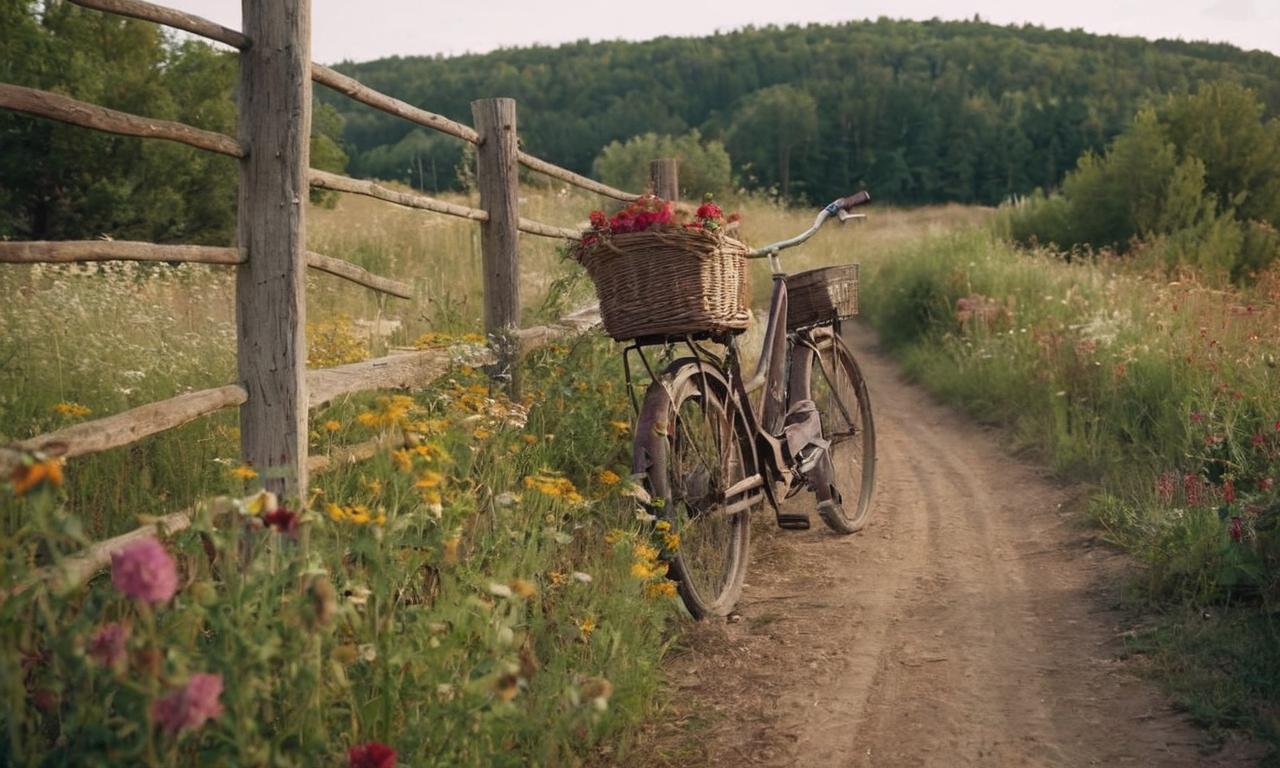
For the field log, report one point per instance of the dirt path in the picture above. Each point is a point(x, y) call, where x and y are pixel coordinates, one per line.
point(972, 623)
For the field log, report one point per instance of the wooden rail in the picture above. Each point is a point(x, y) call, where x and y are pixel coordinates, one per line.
point(76, 251)
point(169, 17)
point(354, 89)
point(125, 428)
point(68, 110)
point(81, 251)
point(339, 183)
point(564, 174)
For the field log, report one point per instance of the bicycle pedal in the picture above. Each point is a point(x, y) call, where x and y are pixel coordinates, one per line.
point(793, 522)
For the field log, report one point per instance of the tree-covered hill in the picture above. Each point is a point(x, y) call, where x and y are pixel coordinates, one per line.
point(918, 111)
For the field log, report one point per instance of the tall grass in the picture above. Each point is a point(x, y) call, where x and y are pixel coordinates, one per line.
point(1162, 393)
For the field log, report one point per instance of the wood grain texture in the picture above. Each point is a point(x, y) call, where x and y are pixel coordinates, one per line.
point(275, 123)
point(664, 176)
point(170, 18)
point(354, 89)
point(338, 183)
point(358, 275)
point(497, 176)
point(65, 109)
point(125, 428)
point(76, 251)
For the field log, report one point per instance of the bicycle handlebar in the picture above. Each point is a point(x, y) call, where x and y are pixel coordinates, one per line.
point(839, 207)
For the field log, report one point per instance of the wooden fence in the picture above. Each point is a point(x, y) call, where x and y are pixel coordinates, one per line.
point(275, 390)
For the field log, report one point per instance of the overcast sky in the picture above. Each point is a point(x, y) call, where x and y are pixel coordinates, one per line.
point(359, 30)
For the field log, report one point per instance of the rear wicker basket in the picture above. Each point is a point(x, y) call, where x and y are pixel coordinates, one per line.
point(822, 295)
point(670, 283)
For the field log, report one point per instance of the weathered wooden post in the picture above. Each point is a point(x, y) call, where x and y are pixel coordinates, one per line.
point(275, 129)
point(498, 178)
point(664, 174)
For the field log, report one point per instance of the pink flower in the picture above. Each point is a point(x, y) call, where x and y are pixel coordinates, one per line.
point(188, 707)
point(144, 571)
point(1237, 529)
point(1228, 490)
point(1191, 489)
point(1164, 487)
point(371, 755)
point(1258, 440)
point(108, 644)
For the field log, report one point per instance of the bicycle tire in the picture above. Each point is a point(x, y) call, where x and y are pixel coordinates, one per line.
point(819, 374)
point(690, 445)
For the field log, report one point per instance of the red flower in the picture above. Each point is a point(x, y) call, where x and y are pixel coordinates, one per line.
point(1258, 439)
point(283, 520)
point(1228, 490)
point(599, 220)
point(1164, 487)
point(1237, 529)
point(371, 755)
point(1191, 489)
point(709, 211)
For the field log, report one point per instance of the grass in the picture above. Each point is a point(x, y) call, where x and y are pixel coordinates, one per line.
point(469, 596)
point(1161, 393)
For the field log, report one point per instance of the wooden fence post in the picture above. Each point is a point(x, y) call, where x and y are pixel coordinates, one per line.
point(665, 176)
point(275, 129)
point(497, 175)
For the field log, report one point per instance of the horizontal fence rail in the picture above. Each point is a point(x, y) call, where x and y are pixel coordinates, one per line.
point(169, 17)
point(339, 183)
point(362, 93)
point(125, 428)
point(68, 110)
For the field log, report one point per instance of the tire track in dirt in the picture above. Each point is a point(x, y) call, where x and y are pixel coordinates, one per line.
point(971, 623)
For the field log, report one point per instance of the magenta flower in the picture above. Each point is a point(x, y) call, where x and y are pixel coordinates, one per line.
point(188, 707)
point(144, 571)
point(371, 755)
point(1237, 529)
point(108, 644)
point(284, 520)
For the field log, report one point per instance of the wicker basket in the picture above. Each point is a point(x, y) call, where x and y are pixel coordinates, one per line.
point(654, 284)
point(822, 295)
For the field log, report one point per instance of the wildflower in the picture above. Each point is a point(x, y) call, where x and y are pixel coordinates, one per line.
point(620, 427)
point(190, 706)
point(71, 410)
point(1228, 490)
point(367, 418)
point(586, 627)
point(28, 476)
point(1191, 489)
point(671, 541)
point(613, 536)
point(284, 520)
point(332, 426)
point(482, 434)
point(108, 645)
point(374, 486)
point(1237, 528)
point(335, 512)
point(244, 472)
point(450, 549)
point(609, 477)
point(1196, 417)
point(145, 571)
point(1164, 487)
point(434, 502)
point(261, 503)
point(529, 439)
point(523, 588)
point(429, 479)
point(662, 526)
point(402, 459)
point(644, 552)
point(660, 589)
point(642, 570)
point(557, 578)
point(1258, 440)
point(372, 755)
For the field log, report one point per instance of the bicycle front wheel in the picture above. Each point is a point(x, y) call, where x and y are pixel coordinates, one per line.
point(829, 375)
point(691, 445)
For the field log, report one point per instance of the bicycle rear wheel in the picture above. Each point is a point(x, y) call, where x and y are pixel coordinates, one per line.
point(829, 375)
point(691, 445)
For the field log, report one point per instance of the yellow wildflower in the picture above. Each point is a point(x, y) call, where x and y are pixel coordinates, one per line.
point(429, 479)
point(644, 552)
point(586, 627)
point(621, 427)
point(609, 477)
point(482, 434)
point(335, 512)
point(529, 439)
point(671, 541)
point(402, 459)
point(557, 578)
point(662, 526)
point(659, 589)
point(243, 472)
point(642, 570)
point(613, 536)
point(367, 418)
point(27, 476)
point(332, 426)
point(72, 410)
point(359, 514)
point(374, 486)
point(523, 588)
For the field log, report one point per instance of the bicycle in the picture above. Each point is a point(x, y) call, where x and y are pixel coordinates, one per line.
point(708, 456)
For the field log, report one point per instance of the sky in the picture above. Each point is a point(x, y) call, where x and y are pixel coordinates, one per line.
point(369, 29)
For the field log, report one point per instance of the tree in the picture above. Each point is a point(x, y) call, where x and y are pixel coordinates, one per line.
point(704, 165)
point(769, 125)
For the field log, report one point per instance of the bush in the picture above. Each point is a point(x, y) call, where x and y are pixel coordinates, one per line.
point(704, 165)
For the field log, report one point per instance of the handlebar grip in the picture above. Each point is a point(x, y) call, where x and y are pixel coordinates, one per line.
point(854, 200)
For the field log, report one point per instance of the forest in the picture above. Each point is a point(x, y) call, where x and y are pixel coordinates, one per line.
point(917, 111)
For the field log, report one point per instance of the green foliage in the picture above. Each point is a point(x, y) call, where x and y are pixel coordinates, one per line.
point(62, 182)
point(768, 127)
point(704, 165)
point(1197, 174)
point(916, 111)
